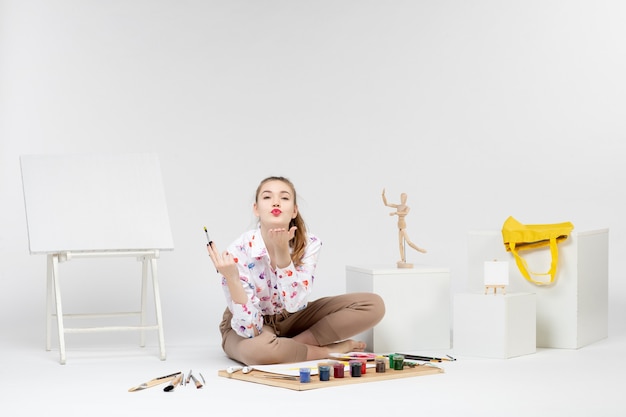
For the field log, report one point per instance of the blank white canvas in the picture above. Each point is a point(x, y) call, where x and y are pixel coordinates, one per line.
point(496, 273)
point(95, 202)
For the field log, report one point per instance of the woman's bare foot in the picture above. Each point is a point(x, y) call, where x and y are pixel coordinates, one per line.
point(323, 352)
point(347, 346)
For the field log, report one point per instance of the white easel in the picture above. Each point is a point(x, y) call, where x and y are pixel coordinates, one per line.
point(96, 206)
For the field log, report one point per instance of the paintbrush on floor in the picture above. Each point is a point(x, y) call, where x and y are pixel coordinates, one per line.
point(195, 381)
point(174, 383)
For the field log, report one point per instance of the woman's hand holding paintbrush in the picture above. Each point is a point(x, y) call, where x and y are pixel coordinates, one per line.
point(225, 264)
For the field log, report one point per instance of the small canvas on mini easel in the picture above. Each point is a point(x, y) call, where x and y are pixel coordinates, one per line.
point(496, 275)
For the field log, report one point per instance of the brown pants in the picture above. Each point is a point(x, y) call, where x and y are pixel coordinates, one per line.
point(330, 319)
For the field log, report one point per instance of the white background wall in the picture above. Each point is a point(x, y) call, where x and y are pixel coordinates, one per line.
point(476, 109)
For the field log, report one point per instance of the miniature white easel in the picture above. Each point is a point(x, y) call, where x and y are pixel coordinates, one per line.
point(496, 275)
point(96, 206)
point(403, 238)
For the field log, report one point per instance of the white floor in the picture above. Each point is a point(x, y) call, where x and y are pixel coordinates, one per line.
point(98, 373)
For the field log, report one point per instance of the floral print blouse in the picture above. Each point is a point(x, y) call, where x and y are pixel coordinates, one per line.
point(269, 291)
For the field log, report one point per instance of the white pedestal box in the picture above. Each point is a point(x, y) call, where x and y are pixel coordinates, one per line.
point(494, 326)
point(417, 307)
point(572, 312)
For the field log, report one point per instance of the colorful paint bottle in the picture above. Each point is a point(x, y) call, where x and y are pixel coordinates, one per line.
point(363, 366)
point(338, 370)
point(398, 362)
point(305, 375)
point(380, 365)
point(324, 372)
point(355, 368)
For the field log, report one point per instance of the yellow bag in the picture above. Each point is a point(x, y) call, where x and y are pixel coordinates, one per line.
point(518, 237)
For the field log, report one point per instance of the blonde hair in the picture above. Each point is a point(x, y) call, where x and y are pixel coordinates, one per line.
point(299, 241)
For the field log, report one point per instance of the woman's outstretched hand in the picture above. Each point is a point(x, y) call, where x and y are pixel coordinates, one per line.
point(277, 244)
point(279, 238)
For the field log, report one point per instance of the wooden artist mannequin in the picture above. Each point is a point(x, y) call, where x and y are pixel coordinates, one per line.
point(403, 238)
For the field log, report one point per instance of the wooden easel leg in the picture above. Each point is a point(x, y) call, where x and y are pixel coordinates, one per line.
point(495, 289)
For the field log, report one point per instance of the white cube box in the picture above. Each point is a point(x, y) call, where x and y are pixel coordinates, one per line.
point(494, 326)
point(572, 312)
point(417, 307)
